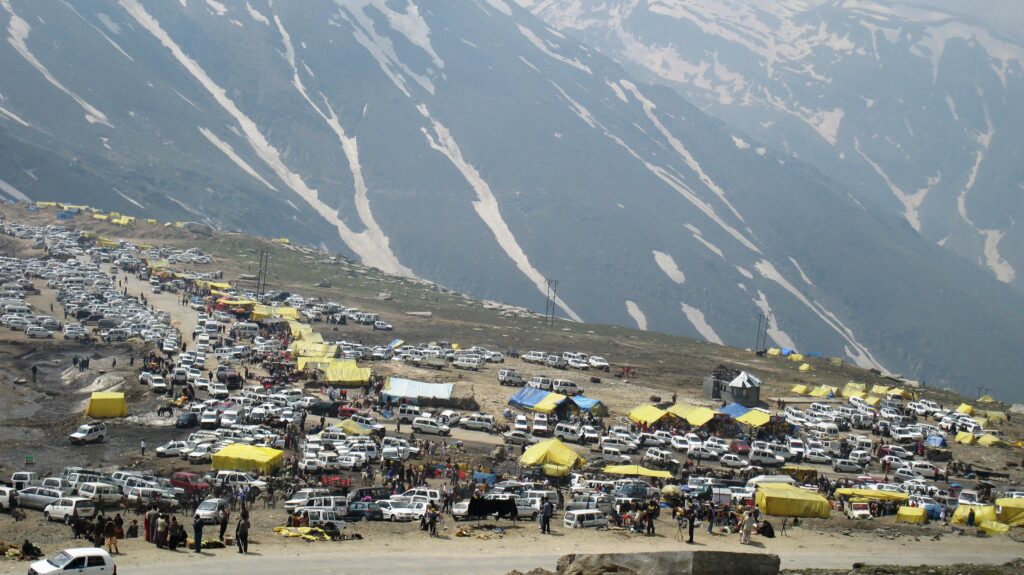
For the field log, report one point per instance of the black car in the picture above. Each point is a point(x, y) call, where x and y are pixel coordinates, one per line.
point(363, 511)
point(325, 408)
point(186, 420)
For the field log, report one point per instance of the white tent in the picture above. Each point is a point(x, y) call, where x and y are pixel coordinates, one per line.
point(410, 389)
point(745, 380)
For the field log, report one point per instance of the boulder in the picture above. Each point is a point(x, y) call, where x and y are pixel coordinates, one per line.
point(674, 562)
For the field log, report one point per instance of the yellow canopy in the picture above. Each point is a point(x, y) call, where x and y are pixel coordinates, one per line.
point(696, 416)
point(901, 392)
point(550, 402)
point(799, 389)
point(345, 373)
point(964, 408)
point(853, 388)
point(994, 527)
point(981, 513)
point(242, 457)
point(965, 437)
point(754, 418)
point(872, 494)
point(824, 391)
point(312, 348)
point(995, 416)
point(636, 470)
point(647, 414)
point(986, 399)
point(354, 428)
point(805, 367)
point(989, 440)
point(872, 400)
point(796, 357)
point(260, 311)
point(299, 330)
point(879, 389)
point(784, 500)
point(912, 514)
point(1010, 511)
point(774, 352)
point(557, 458)
point(106, 404)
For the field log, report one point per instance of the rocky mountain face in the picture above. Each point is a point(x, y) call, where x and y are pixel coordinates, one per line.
point(912, 108)
point(469, 143)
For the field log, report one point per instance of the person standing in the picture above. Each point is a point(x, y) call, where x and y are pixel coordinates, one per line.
point(110, 538)
point(224, 517)
point(691, 524)
point(242, 533)
point(35, 369)
point(197, 532)
point(711, 519)
point(746, 528)
point(142, 447)
point(173, 534)
point(546, 511)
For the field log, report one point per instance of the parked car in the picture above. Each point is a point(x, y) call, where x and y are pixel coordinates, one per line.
point(95, 432)
point(80, 561)
point(38, 497)
point(65, 508)
point(363, 511)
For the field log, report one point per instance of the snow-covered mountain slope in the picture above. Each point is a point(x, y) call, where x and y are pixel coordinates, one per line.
point(913, 108)
point(469, 143)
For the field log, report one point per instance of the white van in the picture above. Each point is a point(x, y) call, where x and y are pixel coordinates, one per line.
point(246, 330)
point(430, 426)
point(102, 494)
point(407, 413)
point(479, 422)
point(568, 432)
point(565, 387)
point(584, 518)
point(827, 429)
point(319, 517)
point(540, 382)
point(471, 362)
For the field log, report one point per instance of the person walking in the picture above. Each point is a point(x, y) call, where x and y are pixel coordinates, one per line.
point(691, 524)
point(711, 519)
point(197, 532)
point(242, 533)
point(746, 528)
point(34, 371)
point(546, 511)
point(110, 538)
point(142, 447)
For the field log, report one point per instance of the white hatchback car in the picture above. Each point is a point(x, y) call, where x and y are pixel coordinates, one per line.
point(82, 561)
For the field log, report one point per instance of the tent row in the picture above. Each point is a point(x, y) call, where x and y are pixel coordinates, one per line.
point(548, 402)
point(699, 416)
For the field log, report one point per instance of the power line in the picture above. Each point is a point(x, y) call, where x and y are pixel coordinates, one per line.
point(550, 306)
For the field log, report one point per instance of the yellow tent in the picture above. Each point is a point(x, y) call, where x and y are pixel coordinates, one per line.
point(872, 494)
point(784, 500)
point(550, 402)
point(981, 513)
point(1010, 511)
point(853, 388)
point(796, 357)
point(299, 329)
point(754, 418)
point(965, 437)
point(823, 391)
point(800, 389)
point(989, 440)
point(646, 414)
point(912, 514)
point(345, 373)
point(879, 389)
point(964, 408)
point(354, 428)
point(982, 421)
point(557, 458)
point(901, 392)
point(264, 311)
point(805, 367)
point(242, 457)
point(872, 400)
point(313, 361)
point(106, 404)
point(774, 352)
point(995, 415)
point(696, 416)
point(994, 527)
point(636, 470)
point(986, 399)
point(836, 361)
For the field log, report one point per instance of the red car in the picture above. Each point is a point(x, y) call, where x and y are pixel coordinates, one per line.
point(739, 447)
point(188, 481)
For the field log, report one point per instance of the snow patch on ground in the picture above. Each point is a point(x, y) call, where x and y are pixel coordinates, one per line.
point(803, 276)
point(18, 30)
point(256, 14)
point(5, 113)
point(13, 192)
point(539, 44)
point(501, 6)
point(228, 151)
point(699, 322)
point(618, 90)
point(577, 108)
point(911, 202)
point(486, 205)
point(740, 143)
point(530, 64)
point(745, 272)
point(999, 266)
point(129, 198)
point(110, 24)
point(217, 7)
point(637, 314)
point(668, 265)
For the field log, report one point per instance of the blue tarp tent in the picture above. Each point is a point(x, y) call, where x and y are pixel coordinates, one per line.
point(734, 410)
point(936, 441)
point(787, 352)
point(488, 478)
point(588, 404)
point(527, 397)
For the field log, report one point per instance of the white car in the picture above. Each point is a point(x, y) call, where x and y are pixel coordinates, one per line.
point(598, 362)
point(733, 460)
point(396, 511)
point(818, 456)
point(89, 433)
point(34, 331)
point(81, 561)
point(430, 426)
point(201, 454)
point(172, 448)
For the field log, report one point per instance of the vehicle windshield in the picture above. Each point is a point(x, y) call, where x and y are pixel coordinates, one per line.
point(59, 560)
point(207, 506)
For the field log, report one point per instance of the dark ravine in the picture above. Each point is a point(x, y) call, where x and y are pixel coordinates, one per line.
point(468, 143)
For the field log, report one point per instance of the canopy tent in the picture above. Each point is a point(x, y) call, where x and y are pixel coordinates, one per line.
point(299, 330)
point(754, 418)
point(994, 528)
point(879, 389)
point(965, 437)
point(734, 410)
point(1010, 511)
point(774, 352)
point(995, 416)
point(796, 357)
point(785, 500)
point(872, 400)
point(399, 388)
point(636, 470)
point(907, 514)
point(313, 362)
point(557, 458)
point(594, 406)
point(550, 403)
point(965, 408)
point(904, 393)
point(989, 440)
point(646, 414)
point(696, 416)
point(805, 367)
point(800, 389)
point(264, 311)
point(986, 399)
point(981, 513)
point(527, 397)
point(852, 388)
point(242, 457)
point(351, 427)
point(936, 441)
point(344, 373)
point(106, 404)
point(872, 494)
point(824, 391)
point(308, 346)
point(745, 381)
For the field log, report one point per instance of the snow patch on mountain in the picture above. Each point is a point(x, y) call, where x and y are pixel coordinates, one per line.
point(780, 337)
point(700, 323)
point(18, 31)
point(668, 265)
point(541, 45)
point(217, 7)
point(637, 314)
point(5, 113)
point(226, 149)
point(107, 22)
point(256, 14)
point(130, 199)
point(12, 192)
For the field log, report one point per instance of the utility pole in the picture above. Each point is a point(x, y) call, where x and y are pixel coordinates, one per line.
point(761, 345)
point(261, 276)
point(550, 307)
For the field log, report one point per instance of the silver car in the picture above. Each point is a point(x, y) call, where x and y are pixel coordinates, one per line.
point(38, 497)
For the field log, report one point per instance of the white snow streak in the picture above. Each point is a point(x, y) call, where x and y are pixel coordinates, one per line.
point(228, 151)
point(129, 198)
point(696, 317)
point(999, 266)
point(256, 14)
point(530, 64)
point(740, 143)
point(637, 314)
point(373, 239)
point(856, 351)
point(745, 272)
point(18, 30)
point(501, 6)
point(5, 113)
point(668, 265)
point(618, 90)
point(12, 191)
point(486, 205)
point(108, 22)
point(803, 276)
point(780, 337)
point(539, 44)
point(263, 148)
point(911, 202)
point(217, 7)
point(700, 238)
point(577, 108)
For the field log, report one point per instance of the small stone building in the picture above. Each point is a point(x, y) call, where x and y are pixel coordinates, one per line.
point(733, 386)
